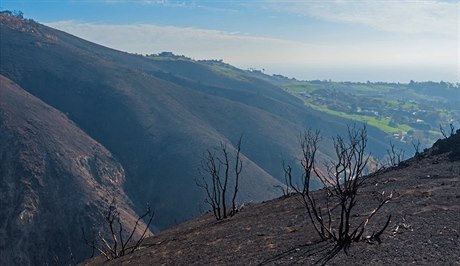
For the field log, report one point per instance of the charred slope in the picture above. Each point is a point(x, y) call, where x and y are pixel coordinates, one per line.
point(54, 181)
point(423, 230)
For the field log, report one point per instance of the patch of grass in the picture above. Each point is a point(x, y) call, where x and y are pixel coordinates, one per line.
point(226, 72)
point(369, 88)
point(167, 59)
point(300, 88)
point(159, 58)
point(382, 124)
point(435, 134)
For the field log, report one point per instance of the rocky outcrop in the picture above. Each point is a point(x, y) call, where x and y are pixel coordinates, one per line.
point(54, 181)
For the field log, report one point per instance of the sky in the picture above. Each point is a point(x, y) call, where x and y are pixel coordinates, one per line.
point(354, 40)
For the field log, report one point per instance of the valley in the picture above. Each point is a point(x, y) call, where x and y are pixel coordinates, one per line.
point(410, 112)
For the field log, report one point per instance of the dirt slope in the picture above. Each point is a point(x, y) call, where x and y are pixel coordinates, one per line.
point(424, 229)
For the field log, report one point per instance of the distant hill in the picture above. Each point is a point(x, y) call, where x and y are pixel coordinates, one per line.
point(157, 115)
point(423, 230)
point(54, 181)
point(411, 112)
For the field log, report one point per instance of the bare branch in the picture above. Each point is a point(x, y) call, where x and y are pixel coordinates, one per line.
point(238, 168)
point(394, 157)
point(117, 246)
point(342, 180)
point(216, 171)
point(416, 145)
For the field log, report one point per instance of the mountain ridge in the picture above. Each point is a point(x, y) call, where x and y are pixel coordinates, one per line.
point(55, 181)
point(115, 111)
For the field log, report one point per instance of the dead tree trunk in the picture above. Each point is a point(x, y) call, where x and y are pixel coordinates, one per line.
point(238, 168)
point(395, 157)
point(216, 175)
point(121, 240)
point(331, 216)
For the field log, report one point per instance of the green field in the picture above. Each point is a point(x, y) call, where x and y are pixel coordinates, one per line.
point(382, 124)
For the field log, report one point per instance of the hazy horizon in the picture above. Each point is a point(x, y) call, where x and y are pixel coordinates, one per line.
point(391, 41)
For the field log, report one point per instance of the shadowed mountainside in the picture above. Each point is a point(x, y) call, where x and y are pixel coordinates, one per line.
point(156, 129)
point(158, 116)
point(424, 228)
point(54, 181)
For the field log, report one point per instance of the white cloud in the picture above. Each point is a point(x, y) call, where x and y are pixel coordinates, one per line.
point(277, 55)
point(193, 42)
point(405, 16)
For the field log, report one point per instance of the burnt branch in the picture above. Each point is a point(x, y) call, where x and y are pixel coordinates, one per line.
point(330, 210)
point(218, 169)
point(395, 157)
point(416, 145)
point(451, 128)
point(116, 246)
point(238, 168)
point(286, 188)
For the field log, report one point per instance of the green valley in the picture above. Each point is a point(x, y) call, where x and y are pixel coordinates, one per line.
point(413, 111)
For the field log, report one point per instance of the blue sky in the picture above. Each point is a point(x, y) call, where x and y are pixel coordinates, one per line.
point(355, 40)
